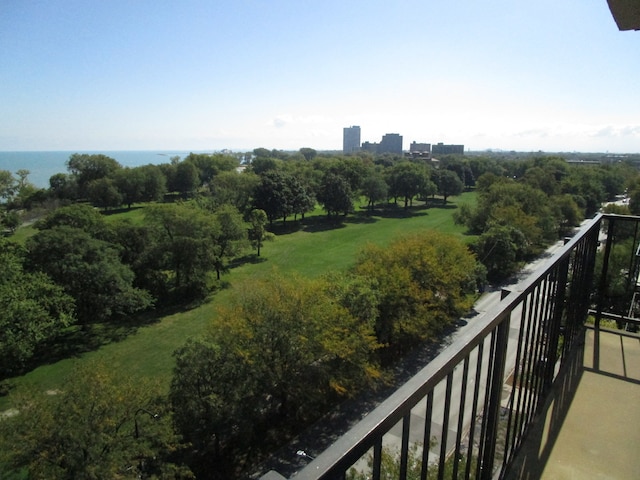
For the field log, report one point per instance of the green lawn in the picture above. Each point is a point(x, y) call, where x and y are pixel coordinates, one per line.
point(310, 249)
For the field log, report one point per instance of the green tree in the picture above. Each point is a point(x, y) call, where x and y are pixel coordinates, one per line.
point(10, 219)
point(375, 189)
point(233, 188)
point(406, 180)
point(209, 166)
point(63, 186)
point(182, 247)
point(449, 184)
point(257, 232)
point(273, 196)
point(8, 185)
point(501, 249)
point(104, 193)
point(277, 355)
point(186, 180)
point(99, 426)
point(335, 195)
point(308, 153)
point(33, 310)
point(424, 282)
point(229, 237)
point(90, 270)
point(81, 216)
point(86, 168)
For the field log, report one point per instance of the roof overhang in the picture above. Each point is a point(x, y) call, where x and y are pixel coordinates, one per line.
point(626, 13)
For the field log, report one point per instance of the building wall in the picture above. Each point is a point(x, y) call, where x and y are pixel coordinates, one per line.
point(420, 147)
point(391, 143)
point(442, 149)
point(351, 139)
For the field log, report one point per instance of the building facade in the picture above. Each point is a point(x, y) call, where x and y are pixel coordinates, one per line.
point(442, 149)
point(391, 143)
point(351, 139)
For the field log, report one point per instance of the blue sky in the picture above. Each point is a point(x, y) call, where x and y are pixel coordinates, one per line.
point(206, 75)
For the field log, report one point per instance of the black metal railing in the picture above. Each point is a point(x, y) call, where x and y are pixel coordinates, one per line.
point(467, 412)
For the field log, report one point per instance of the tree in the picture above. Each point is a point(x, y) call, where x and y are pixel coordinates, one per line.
point(130, 183)
point(182, 250)
point(424, 282)
point(87, 168)
point(335, 195)
point(449, 184)
point(63, 186)
point(33, 310)
point(7, 185)
point(407, 179)
point(99, 426)
point(233, 188)
point(273, 196)
point(375, 189)
point(257, 232)
point(103, 193)
point(301, 200)
point(229, 237)
point(186, 180)
point(90, 270)
point(500, 249)
point(209, 166)
point(140, 184)
point(10, 220)
point(308, 153)
point(277, 355)
point(81, 216)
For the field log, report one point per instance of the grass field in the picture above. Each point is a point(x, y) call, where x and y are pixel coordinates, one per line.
point(311, 249)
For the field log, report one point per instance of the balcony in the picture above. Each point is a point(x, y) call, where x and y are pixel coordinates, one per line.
point(538, 386)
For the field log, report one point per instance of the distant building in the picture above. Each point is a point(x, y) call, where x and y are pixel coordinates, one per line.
point(419, 150)
point(442, 149)
point(370, 147)
point(351, 139)
point(391, 143)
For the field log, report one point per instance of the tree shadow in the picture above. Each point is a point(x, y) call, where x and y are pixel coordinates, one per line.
point(78, 339)
point(251, 259)
point(115, 211)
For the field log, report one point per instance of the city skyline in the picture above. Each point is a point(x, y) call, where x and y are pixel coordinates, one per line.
point(550, 76)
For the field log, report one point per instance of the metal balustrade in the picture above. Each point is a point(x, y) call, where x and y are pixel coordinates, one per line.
point(466, 413)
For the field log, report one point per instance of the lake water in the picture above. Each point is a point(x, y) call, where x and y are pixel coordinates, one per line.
point(43, 165)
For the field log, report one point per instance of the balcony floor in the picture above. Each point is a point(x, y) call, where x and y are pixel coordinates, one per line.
point(591, 426)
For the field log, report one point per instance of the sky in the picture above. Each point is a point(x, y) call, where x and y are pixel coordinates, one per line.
point(206, 75)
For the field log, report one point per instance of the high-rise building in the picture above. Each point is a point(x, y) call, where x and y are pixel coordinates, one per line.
point(351, 139)
point(391, 143)
point(443, 149)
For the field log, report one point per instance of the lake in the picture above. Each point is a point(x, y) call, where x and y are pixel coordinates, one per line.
point(43, 165)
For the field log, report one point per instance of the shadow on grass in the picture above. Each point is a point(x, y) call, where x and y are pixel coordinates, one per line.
point(79, 339)
point(251, 259)
point(115, 211)
point(362, 215)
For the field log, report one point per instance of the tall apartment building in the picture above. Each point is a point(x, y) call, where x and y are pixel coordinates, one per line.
point(442, 149)
point(391, 143)
point(351, 139)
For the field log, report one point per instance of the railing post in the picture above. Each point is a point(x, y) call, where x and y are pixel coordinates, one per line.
point(602, 288)
point(553, 332)
point(495, 396)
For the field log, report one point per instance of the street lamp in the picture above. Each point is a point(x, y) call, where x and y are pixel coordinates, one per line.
point(302, 453)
